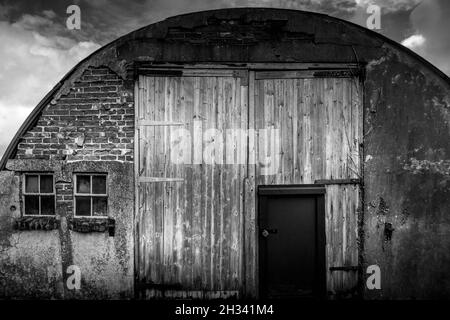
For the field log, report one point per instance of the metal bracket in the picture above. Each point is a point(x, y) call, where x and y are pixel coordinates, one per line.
point(338, 181)
point(344, 268)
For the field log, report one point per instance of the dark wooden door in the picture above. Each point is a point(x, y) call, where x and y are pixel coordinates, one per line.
point(291, 242)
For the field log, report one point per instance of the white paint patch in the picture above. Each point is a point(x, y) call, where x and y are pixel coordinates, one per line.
point(421, 166)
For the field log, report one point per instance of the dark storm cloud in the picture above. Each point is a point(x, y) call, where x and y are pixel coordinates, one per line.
point(431, 21)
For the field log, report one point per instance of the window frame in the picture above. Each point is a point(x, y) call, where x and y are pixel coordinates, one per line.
point(90, 195)
point(39, 194)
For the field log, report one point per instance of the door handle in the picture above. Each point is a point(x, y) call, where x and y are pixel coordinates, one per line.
point(265, 233)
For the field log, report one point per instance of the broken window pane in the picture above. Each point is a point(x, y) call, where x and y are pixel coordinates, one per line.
point(31, 204)
point(31, 184)
point(83, 184)
point(48, 205)
point(99, 184)
point(83, 206)
point(46, 184)
point(100, 205)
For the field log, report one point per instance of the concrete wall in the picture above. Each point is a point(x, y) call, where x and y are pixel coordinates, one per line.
point(407, 179)
point(34, 262)
point(26, 258)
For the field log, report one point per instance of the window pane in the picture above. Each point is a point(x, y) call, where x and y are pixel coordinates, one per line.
point(83, 206)
point(31, 204)
point(31, 184)
point(100, 205)
point(83, 184)
point(46, 184)
point(48, 205)
point(99, 184)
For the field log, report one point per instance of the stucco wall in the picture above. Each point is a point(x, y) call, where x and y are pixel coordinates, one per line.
point(407, 179)
point(26, 258)
point(34, 262)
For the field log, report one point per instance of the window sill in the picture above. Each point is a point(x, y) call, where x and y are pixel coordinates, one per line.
point(91, 224)
point(46, 223)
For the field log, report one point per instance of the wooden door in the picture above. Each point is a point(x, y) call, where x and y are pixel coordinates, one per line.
point(319, 123)
point(292, 242)
point(196, 225)
point(188, 207)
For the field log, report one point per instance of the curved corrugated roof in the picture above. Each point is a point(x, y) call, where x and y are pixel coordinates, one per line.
point(154, 31)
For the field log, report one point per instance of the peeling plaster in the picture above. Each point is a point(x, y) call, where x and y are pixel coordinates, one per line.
point(415, 166)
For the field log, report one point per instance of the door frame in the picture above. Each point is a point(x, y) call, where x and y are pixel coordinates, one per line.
point(312, 190)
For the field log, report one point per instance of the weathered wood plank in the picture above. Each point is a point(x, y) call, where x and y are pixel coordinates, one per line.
point(158, 179)
point(192, 101)
point(250, 228)
point(142, 123)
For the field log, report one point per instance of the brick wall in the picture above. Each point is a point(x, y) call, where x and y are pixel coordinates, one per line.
point(94, 121)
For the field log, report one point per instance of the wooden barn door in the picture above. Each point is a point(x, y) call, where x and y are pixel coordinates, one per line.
point(189, 208)
point(318, 116)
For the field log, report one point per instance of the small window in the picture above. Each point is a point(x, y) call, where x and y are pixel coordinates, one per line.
point(39, 194)
point(91, 197)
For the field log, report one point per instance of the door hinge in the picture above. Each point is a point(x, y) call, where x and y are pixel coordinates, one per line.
point(344, 268)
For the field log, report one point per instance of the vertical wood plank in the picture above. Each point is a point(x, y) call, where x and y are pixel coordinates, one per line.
point(250, 256)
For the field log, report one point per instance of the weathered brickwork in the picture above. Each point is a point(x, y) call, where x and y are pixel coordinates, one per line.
point(94, 121)
point(64, 197)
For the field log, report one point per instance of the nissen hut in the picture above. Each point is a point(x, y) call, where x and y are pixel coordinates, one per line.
point(237, 153)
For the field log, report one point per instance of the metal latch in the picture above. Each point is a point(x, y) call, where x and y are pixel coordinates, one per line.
point(265, 233)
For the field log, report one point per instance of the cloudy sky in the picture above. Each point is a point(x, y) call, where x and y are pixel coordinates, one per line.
point(37, 49)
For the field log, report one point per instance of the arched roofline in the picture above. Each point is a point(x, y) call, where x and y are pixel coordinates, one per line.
point(35, 113)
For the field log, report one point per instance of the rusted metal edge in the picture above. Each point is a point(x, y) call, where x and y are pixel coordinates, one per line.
point(338, 181)
point(344, 268)
point(158, 72)
point(309, 73)
point(288, 189)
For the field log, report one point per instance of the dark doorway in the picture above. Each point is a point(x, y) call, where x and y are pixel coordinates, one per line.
point(292, 241)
